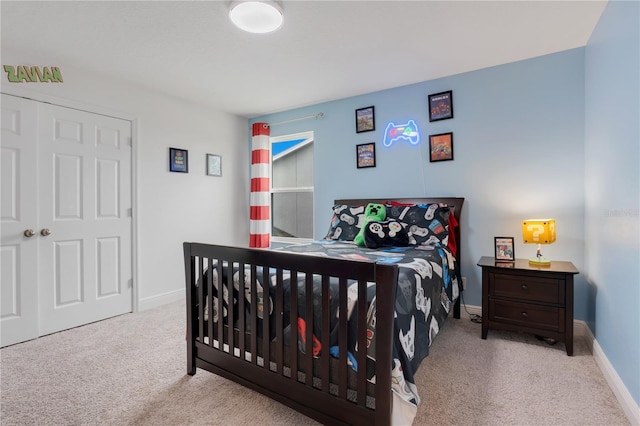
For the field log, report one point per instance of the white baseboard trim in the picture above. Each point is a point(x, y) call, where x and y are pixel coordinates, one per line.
point(629, 406)
point(161, 299)
point(580, 329)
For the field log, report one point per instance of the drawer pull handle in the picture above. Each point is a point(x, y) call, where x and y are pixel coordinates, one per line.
point(525, 315)
point(524, 287)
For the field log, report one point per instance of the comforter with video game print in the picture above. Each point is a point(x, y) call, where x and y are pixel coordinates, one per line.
point(427, 287)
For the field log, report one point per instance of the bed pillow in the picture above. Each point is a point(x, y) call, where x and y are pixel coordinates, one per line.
point(345, 222)
point(385, 234)
point(427, 224)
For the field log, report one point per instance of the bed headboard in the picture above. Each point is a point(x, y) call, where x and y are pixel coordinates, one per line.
point(455, 202)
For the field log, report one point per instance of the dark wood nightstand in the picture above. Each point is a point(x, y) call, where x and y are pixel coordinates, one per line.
point(517, 296)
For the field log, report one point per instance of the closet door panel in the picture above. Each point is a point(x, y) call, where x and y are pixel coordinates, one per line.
point(86, 258)
point(18, 215)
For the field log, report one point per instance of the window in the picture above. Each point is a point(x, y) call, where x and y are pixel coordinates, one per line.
point(292, 186)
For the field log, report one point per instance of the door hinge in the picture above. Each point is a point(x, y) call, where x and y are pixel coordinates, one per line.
point(130, 141)
point(130, 283)
point(130, 212)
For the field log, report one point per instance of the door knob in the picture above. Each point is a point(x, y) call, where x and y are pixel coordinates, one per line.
point(45, 231)
point(29, 233)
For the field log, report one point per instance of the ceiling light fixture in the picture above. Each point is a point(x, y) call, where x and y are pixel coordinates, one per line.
point(256, 16)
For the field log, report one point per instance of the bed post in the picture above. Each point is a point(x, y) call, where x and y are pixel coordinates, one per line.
point(385, 308)
point(457, 213)
point(190, 269)
point(456, 305)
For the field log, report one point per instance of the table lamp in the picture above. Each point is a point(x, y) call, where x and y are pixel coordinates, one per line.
point(539, 231)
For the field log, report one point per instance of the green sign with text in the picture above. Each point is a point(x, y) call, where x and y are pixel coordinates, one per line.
point(33, 74)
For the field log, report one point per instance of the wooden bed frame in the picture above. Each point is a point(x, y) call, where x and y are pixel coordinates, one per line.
point(333, 393)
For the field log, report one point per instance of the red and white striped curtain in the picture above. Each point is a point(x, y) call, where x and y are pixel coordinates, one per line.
point(260, 204)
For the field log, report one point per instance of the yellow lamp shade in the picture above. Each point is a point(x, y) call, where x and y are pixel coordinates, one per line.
point(539, 231)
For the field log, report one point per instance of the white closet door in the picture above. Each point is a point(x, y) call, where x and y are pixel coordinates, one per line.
point(85, 204)
point(18, 214)
point(66, 175)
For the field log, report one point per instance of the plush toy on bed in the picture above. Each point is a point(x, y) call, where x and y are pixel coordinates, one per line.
point(388, 233)
point(373, 212)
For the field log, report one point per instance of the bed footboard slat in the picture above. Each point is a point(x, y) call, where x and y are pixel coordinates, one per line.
point(308, 329)
point(293, 329)
point(279, 311)
point(253, 346)
point(192, 314)
point(361, 347)
point(220, 305)
point(342, 339)
point(266, 310)
point(242, 328)
point(228, 289)
point(200, 292)
point(206, 307)
point(325, 338)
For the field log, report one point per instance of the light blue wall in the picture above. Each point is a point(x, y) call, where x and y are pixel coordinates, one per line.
point(518, 132)
point(612, 182)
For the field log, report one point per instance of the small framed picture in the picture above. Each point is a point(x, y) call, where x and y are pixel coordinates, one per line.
point(366, 155)
point(214, 165)
point(178, 160)
point(441, 106)
point(365, 119)
point(441, 147)
point(504, 249)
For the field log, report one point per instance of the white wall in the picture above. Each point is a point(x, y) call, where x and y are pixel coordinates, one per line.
point(170, 207)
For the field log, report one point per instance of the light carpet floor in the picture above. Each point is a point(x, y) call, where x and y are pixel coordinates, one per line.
point(131, 370)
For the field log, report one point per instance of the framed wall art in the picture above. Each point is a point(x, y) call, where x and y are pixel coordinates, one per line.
point(178, 160)
point(441, 147)
point(365, 119)
point(366, 155)
point(441, 106)
point(214, 165)
point(504, 250)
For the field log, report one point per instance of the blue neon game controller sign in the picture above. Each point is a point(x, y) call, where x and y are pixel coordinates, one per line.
point(407, 132)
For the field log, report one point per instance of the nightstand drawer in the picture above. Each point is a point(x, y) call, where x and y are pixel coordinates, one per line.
point(526, 314)
point(529, 288)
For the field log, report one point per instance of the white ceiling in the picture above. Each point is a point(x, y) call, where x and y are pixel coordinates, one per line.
point(325, 50)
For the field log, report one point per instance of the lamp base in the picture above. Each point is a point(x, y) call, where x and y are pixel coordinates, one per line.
point(539, 262)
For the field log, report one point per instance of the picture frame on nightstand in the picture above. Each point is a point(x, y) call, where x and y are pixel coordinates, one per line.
point(504, 249)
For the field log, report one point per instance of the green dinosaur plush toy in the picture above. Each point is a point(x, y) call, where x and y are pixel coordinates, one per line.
point(373, 212)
